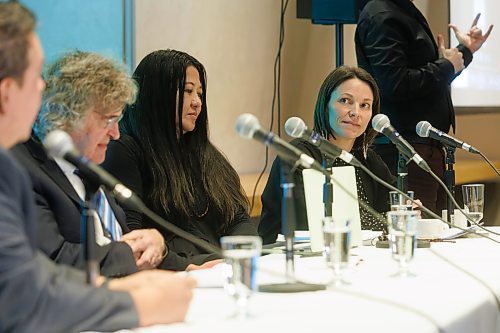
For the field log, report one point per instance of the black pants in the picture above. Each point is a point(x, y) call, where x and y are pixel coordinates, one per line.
point(425, 187)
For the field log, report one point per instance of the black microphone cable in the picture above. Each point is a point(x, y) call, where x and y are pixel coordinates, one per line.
point(394, 304)
point(490, 163)
point(466, 272)
point(276, 92)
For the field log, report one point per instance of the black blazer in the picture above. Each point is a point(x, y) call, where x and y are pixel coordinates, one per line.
point(38, 295)
point(395, 45)
point(270, 222)
point(58, 215)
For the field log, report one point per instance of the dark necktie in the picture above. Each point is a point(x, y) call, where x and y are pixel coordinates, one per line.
point(112, 228)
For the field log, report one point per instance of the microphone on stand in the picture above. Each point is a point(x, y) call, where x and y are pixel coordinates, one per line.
point(382, 124)
point(59, 144)
point(425, 130)
point(247, 126)
point(296, 128)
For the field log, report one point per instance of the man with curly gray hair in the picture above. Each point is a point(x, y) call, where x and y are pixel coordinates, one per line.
point(84, 96)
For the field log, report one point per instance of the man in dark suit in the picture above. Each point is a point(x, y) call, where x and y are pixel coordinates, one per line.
point(85, 95)
point(394, 43)
point(59, 213)
point(36, 294)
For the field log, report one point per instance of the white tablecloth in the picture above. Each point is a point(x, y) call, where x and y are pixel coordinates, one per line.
point(455, 290)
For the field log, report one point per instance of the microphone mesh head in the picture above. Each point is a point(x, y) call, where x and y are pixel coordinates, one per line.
point(58, 143)
point(380, 121)
point(423, 128)
point(246, 125)
point(295, 127)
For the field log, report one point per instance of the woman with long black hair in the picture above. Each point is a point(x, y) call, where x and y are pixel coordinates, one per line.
point(165, 156)
point(347, 101)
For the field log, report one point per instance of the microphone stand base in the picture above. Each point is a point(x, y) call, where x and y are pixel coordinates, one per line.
point(290, 287)
point(421, 244)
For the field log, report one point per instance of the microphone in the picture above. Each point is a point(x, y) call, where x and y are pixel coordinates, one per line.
point(296, 128)
point(382, 124)
point(59, 144)
point(247, 126)
point(425, 129)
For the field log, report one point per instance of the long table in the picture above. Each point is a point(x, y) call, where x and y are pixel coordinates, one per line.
point(456, 289)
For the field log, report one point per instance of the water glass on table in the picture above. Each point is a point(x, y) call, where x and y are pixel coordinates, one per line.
point(241, 254)
point(473, 195)
point(402, 227)
point(337, 245)
point(399, 202)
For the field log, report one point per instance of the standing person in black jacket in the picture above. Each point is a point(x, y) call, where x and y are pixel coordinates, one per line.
point(347, 100)
point(394, 43)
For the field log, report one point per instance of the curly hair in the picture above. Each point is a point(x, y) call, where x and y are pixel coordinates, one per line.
point(16, 24)
point(78, 83)
point(332, 81)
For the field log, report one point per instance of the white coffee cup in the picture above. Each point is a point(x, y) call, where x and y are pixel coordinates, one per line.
point(457, 219)
point(430, 228)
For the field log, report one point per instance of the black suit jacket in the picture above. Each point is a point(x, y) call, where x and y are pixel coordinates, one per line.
point(59, 213)
point(38, 295)
point(395, 45)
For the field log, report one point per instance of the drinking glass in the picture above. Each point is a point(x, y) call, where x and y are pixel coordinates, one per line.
point(402, 238)
point(337, 245)
point(474, 201)
point(241, 254)
point(399, 202)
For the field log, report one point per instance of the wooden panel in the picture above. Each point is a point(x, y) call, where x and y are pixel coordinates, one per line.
point(248, 183)
point(467, 171)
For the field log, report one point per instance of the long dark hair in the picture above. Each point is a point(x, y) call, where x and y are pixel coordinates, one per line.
point(332, 81)
point(185, 167)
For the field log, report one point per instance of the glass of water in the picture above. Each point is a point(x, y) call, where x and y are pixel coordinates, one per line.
point(337, 245)
point(399, 202)
point(241, 254)
point(474, 201)
point(402, 238)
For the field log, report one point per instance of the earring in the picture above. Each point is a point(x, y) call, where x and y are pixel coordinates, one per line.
point(365, 146)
